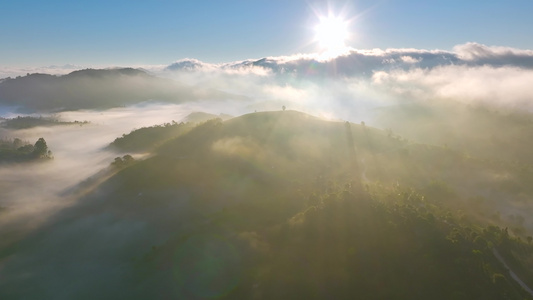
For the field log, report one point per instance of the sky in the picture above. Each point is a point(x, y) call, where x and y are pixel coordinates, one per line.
point(99, 33)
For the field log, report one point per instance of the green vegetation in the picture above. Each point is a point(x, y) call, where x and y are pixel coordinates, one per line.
point(283, 205)
point(388, 244)
point(285, 192)
point(148, 138)
point(30, 122)
point(124, 161)
point(21, 151)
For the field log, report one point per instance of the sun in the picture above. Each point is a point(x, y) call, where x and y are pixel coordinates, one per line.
point(332, 33)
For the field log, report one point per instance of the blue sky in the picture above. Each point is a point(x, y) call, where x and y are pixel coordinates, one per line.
point(134, 32)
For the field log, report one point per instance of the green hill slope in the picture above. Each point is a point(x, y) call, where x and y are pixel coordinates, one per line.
point(282, 205)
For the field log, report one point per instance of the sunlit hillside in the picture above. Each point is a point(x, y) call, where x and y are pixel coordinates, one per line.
point(282, 205)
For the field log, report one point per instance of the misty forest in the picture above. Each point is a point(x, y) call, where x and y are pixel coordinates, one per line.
point(398, 174)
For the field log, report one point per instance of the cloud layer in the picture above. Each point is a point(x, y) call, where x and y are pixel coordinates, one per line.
point(347, 86)
point(472, 73)
point(364, 62)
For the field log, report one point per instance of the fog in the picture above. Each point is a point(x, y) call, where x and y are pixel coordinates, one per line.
point(498, 87)
point(43, 193)
point(351, 86)
point(33, 191)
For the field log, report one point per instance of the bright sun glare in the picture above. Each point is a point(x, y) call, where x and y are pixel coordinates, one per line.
point(331, 33)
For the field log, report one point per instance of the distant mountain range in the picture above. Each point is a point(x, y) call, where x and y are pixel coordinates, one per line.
point(96, 89)
point(364, 62)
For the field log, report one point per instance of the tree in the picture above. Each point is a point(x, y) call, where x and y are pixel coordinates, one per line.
point(127, 159)
point(123, 161)
point(26, 149)
point(17, 143)
point(40, 149)
point(283, 107)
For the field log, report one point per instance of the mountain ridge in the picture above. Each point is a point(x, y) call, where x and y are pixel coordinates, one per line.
point(97, 89)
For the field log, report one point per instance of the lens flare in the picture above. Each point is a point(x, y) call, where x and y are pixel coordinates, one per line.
point(331, 33)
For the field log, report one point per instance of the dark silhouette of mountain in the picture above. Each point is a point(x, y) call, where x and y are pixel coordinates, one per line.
point(30, 122)
point(96, 89)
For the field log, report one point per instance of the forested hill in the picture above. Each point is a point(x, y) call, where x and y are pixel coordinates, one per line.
point(148, 138)
point(283, 205)
point(18, 150)
point(31, 122)
point(96, 89)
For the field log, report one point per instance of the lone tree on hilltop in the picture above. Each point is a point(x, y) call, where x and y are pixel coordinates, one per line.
point(40, 149)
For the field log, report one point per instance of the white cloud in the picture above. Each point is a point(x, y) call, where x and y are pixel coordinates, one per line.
point(351, 85)
point(410, 59)
point(508, 87)
point(364, 78)
point(475, 51)
point(353, 62)
point(286, 93)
